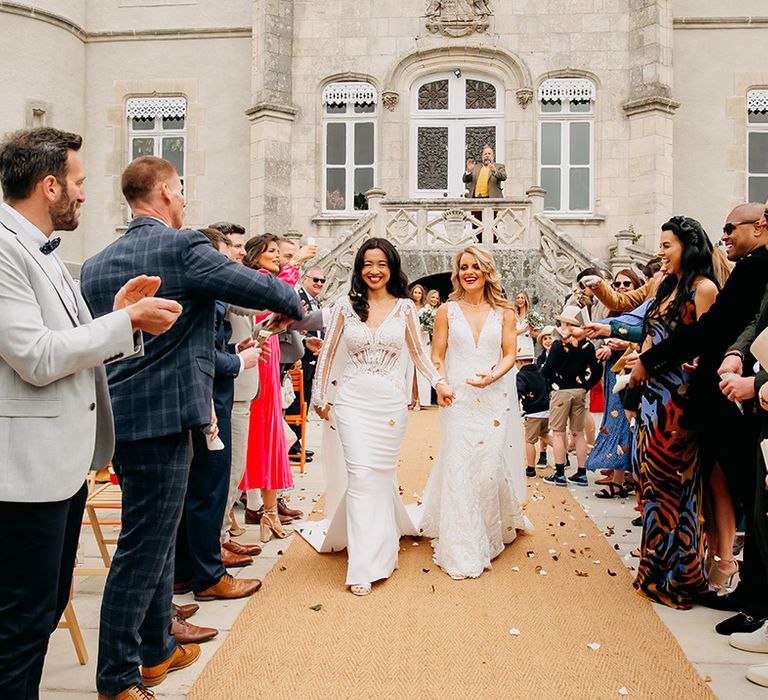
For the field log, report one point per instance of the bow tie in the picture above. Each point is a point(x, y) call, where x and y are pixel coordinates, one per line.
point(50, 246)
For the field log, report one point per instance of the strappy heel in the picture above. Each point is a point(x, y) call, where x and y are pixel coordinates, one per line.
point(268, 529)
point(360, 589)
point(722, 572)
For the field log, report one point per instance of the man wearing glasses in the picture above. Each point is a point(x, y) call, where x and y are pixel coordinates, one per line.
point(725, 435)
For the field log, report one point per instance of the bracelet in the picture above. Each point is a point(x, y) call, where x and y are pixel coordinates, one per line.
point(734, 353)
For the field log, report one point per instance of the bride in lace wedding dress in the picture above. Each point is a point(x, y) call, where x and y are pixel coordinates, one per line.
point(367, 344)
point(472, 500)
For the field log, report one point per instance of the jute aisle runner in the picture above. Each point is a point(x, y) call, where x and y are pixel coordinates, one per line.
point(422, 635)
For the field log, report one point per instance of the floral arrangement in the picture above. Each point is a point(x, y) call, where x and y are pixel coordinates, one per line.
point(534, 320)
point(427, 319)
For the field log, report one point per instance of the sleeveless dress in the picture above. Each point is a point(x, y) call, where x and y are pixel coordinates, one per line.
point(471, 503)
point(671, 569)
point(267, 465)
point(367, 370)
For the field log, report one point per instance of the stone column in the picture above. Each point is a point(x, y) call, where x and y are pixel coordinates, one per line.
point(375, 197)
point(271, 116)
point(650, 110)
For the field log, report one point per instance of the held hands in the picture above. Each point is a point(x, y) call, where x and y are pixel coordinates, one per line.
point(445, 395)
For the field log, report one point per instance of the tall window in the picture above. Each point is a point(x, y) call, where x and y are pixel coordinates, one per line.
point(349, 111)
point(453, 115)
point(566, 138)
point(157, 127)
point(757, 145)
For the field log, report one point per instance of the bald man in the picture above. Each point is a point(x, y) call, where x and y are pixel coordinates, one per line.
point(726, 436)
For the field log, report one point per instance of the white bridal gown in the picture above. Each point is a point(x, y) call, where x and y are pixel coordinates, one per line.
point(472, 500)
point(366, 368)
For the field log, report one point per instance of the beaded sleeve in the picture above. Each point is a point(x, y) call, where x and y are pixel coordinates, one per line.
point(419, 357)
point(333, 335)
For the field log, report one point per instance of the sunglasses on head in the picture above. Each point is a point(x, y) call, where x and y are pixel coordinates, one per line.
point(731, 225)
point(318, 280)
point(625, 283)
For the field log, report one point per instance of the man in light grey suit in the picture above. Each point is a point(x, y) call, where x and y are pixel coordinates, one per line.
point(55, 413)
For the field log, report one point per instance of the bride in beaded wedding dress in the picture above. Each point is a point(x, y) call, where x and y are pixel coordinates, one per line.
point(472, 500)
point(368, 341)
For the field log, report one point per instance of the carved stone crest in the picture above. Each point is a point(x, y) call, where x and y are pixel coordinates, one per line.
point(457, 17)
point(390, 98)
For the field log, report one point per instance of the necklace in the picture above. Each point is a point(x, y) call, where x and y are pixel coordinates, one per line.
point(474, 306)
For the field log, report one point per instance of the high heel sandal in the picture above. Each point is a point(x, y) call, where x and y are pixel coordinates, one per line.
point(360, 589)
point(268, 529)
point(722, 572)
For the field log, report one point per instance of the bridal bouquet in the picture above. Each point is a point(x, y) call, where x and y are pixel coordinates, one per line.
point(427, 320)
point(534, 320)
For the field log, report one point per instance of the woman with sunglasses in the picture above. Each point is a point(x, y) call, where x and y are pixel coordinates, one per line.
point(612, 446)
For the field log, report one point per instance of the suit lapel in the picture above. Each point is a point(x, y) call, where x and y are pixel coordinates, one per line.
point(38, 257)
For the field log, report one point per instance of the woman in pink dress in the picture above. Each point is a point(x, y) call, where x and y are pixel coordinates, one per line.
point(267, 467)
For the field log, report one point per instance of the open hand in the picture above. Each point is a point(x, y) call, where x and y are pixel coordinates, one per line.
point(314, 345)
point(134, 290)
point(483, 380)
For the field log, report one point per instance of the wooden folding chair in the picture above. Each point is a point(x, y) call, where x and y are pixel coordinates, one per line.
point(102, 497)
point(69, 622)
point(300, 418)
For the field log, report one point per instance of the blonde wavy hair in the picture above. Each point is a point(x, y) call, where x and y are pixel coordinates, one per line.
point(492, 291)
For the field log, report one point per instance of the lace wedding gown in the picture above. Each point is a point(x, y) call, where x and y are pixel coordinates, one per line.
point(367, 369)
point(472, 500)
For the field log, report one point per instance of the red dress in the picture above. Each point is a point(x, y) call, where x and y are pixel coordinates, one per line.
point(267, 465)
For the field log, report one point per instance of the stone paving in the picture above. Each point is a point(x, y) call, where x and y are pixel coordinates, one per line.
point(65, 679)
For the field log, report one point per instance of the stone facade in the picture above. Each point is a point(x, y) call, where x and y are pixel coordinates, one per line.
point(668, 116)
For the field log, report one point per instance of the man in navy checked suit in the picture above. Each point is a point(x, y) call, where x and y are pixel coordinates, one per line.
point(157, 400)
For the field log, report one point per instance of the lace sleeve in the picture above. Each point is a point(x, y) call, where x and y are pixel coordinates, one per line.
point(333, 335)
point(419, 357)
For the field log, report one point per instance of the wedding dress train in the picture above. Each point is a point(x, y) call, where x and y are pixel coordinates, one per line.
point(472, 500)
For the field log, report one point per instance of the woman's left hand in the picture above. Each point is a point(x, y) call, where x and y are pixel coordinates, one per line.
point(445, 395)
point(483, 380)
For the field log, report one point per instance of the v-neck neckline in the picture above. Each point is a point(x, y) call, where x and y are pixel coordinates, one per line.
point(469, 325)
point(374, 331)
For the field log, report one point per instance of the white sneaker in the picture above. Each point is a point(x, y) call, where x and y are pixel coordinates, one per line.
point(758, 674)
point(752, 641)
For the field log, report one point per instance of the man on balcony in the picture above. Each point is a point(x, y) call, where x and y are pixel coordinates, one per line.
point(484, 179)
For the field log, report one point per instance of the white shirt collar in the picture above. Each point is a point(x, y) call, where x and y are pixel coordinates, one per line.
point(28, 229)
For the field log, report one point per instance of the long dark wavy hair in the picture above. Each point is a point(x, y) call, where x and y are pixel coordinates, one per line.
point(696, 261)
point(397, 285)
point(255, 246)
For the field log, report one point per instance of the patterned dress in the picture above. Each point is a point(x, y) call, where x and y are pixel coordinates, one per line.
point(671, 569)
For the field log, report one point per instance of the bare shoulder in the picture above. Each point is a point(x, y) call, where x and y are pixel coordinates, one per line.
point(442, 311)
point(706, 287)
point(510, 318)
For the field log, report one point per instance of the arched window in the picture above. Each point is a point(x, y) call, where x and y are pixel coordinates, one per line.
point(349, 153)
point(453, 115)
point(566, 144)
point(757, 145)
point(157, 127)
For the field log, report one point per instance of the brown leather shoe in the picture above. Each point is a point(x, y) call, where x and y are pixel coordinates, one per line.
point(185, 611)
point(253, 517)
point(187, 633)
point(232, 560)
point(230, 587)
point(182, 587)
point(135, 692)
point(283, 509)
point(248, 550)
point(182, 656)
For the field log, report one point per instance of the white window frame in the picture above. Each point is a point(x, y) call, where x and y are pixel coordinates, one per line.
point(757, 102)
point(157, 108)
point(349, 118)
point(568, 88)
point(456, 118)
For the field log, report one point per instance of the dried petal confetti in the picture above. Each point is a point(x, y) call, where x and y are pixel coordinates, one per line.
point(496, 423)
point(594, 646)
point(514, 632)
point(317, 607)
point(623, 691)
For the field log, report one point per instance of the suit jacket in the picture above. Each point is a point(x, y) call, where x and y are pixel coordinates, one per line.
point(309, 361)
point(494, 181)
point(169, 390)
point(55, 415)
point(247, 382)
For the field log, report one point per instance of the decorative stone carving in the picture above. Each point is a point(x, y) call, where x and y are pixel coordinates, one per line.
point(757, 101)
point(567, 89)
point(389, 99)
point(341, 93)
point(457, 17)
point(524, 96)
point(151, 107)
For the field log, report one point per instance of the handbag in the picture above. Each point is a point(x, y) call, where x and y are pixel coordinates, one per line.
point(288, 395)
